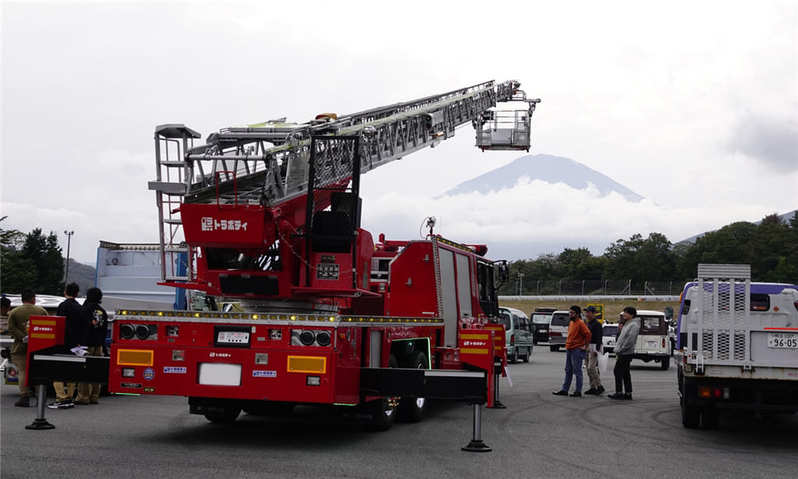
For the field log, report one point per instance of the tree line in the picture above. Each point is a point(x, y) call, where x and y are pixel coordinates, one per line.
point(30, 260)
point(770, 247)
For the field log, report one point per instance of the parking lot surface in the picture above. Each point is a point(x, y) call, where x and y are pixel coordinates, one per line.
point(538, 435)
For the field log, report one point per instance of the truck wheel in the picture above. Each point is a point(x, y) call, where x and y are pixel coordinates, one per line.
point(411, 409)
point(691, 415)
point(382, 414)
point(554, 348)
point(525, 358)
point(665, 364)
point(226, 416)
point(710, 418)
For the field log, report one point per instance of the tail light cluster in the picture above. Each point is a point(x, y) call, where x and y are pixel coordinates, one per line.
point(555, 333)
point(138, 331)
point(512, 339)
point(709, 392)
point(310, 337)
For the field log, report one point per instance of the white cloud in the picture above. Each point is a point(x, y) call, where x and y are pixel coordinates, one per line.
point(530, 217)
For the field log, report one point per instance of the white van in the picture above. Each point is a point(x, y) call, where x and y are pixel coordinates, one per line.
point(558, 329)
point(737, 344)
point(653, 342)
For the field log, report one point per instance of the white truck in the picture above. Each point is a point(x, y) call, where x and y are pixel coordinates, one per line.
point(738, 345)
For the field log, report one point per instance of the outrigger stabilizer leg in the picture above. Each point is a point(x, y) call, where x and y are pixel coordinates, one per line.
point(476, 444)
point(497, 376)
point(40, 422)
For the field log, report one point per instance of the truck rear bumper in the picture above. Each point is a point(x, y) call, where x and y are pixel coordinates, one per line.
point(741, 394)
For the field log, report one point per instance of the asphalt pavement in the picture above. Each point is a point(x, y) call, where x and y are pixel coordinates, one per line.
point(538, 435)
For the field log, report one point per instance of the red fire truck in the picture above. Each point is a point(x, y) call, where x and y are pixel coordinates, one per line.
point(268, 216)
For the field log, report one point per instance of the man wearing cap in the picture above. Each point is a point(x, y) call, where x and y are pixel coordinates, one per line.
point(596, 334)
point(18, 321)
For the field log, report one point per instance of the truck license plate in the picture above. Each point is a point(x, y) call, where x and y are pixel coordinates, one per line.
point(233, 337)
point(782, 341)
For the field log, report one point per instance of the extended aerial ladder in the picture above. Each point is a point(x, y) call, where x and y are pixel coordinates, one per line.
point(267, 171)
point(268, 216)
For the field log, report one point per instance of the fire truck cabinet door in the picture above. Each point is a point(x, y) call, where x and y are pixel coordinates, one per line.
point(449, 293)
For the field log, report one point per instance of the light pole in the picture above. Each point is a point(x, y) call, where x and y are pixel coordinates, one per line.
point(69, 243)
point(520, 283)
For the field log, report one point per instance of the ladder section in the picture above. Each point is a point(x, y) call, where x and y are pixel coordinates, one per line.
point(267, 163)
point(173, 175)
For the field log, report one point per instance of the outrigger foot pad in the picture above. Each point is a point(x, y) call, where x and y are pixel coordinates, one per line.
point(39, 424)
point(476, 445)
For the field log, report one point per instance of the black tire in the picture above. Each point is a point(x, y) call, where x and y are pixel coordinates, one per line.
point(554, 348)
point(382, 413)
point(691, 416)
point(665, 364)
point(710, 418)
point(512, 358)
point(226, 416)
point(528, 354)
point(412, 409)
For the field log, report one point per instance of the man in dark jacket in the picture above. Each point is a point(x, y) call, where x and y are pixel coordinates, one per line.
point(96, 319)
point(74, 335)
point(596, 335)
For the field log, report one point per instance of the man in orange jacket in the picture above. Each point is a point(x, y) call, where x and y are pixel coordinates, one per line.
point(575, 345)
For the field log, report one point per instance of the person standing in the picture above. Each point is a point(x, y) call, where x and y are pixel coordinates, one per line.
point(97, 320)
point(18, 329)
point(624, 352)
point(74, 335)
point(575, 345)
point(596, 336)
point(5, 307)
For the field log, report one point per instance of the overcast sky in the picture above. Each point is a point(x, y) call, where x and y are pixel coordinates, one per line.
point(693, 105)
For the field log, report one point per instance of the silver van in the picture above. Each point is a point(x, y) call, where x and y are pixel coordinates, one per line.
point(519, 334)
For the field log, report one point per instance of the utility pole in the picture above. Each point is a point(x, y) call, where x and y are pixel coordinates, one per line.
point(520, 283)
point(69, 243)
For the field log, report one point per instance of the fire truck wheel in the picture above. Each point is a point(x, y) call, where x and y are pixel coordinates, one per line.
point(226, 416)
point(411, 409)
point(382, 413)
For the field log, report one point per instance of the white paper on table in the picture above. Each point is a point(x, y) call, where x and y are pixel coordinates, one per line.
point(509, 379)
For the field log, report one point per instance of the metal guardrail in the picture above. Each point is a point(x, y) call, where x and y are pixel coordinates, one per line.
point(578, 298)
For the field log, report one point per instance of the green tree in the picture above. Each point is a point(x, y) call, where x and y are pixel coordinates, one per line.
point(16, 271)
point(31, 261)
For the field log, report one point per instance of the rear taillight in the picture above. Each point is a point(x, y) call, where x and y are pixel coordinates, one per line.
point(663, 342)
point(796, 305)
point(555, 333)
point(512, 339)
